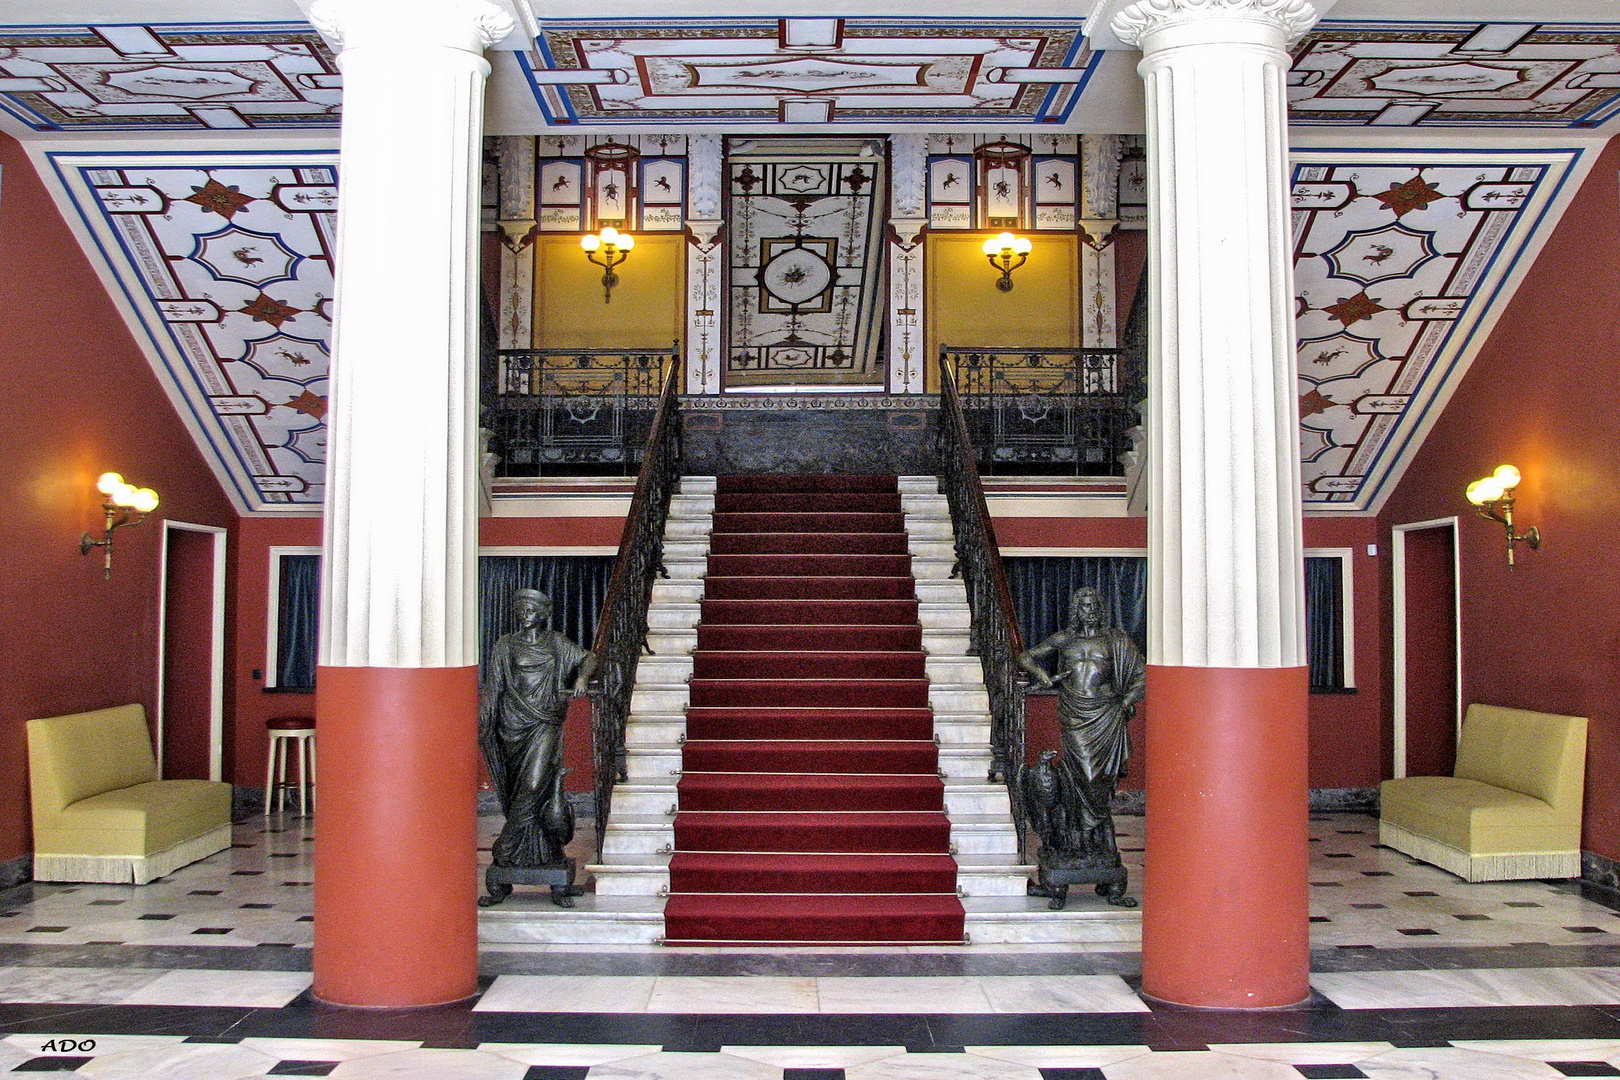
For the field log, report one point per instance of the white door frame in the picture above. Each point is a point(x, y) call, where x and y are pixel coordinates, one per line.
point(1398, 550)
point(216, 673)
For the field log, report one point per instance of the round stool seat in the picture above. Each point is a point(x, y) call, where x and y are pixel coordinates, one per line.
point(290, 723)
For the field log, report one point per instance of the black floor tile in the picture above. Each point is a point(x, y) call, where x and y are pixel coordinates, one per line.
point(1320, 918)
point(1368, 907)
point(1072, 1074)
point(1419, 931)
point(1585, 1068)
point(303, 1068)
point(1522, 903)
point(154, 917)
point(46, 929)
point(51, 1064)
point(1586, 929)
point(205, 892)
point(1473, 918)
point(1423, 892)
point(213, 930)
point(1329, 1072)
point(256, 907)
point(105, 903)
point(796, 1074)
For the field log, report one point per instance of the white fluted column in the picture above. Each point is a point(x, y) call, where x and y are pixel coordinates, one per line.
point(395, 893)
point(1225, 916)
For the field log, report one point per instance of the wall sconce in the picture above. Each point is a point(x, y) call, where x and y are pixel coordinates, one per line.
point(1006, 254)
point(614, 247)
point(1492, 496)
point(125, 504)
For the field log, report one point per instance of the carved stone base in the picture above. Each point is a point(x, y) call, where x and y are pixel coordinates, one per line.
point(498, 882)
point(1058, 873)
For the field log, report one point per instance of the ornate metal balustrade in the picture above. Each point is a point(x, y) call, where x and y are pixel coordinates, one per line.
point(621, 632)
point(1063, 411)
point(571, 410)
point(978, 560)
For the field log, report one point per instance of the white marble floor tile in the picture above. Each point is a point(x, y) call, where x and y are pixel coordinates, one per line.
point(103, 1044)
point(434, 1064)
point(235, 989)
point(1060, 993)
point(733, 994)
point(567, 994)
point(916, 994)
point(942, 1067)
point(686, 1067)
point(1451, 1063)
point(814, 1057)
point(1332, 1053)
point(79, 986)
point(577, 1055)
point(1466, 988)
point(1060, 1057)
point(186, 1061)
point(12, 1056)
point(1199, 1065)
point(326, 1049)
point(1546, 1049)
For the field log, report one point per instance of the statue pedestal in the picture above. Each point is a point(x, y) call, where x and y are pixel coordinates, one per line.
point(498, 882)
point(1056, 875)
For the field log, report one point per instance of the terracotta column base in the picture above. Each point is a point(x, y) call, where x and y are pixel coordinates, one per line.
point(396, 861)
point(1225, 905)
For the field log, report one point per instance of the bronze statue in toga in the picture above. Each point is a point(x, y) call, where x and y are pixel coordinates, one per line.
point(533, 673)
point(1100, 677)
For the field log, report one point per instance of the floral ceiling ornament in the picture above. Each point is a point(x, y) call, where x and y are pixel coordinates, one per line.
point(226, 200)
point(1416, 194)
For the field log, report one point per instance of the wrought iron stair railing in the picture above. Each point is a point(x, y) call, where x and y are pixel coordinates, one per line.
point(621, 632)
point(995, 635)
point(556, 411)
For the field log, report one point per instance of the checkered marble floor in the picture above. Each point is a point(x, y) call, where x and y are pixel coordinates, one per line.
point(205, 974)
point(259, 893)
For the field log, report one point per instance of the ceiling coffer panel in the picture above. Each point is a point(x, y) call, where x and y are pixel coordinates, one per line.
point(808, 71)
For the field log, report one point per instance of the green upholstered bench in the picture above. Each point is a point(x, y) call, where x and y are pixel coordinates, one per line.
point(1510, 809)
point(100, 811)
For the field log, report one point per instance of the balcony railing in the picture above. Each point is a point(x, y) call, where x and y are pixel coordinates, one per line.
point(572, 410)
point(1048, 411)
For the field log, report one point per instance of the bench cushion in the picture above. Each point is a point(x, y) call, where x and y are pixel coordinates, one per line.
point(1474, 817)
point(139, 820)
point(82, 754)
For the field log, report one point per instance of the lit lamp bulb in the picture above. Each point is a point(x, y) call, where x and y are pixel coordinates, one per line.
point(144, 500)
point(1007, 253)
point(590, 242)
point(1507, 476)
point(108, 483)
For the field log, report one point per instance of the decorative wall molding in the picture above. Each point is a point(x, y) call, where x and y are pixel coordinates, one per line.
point(169, 77)
point(1449, 74)
point(769, 71)
point(1145, 17)
point(221, 263)
point(1403, 261)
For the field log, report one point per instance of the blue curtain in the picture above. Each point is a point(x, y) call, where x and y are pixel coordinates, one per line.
point(1041, 587)
point(1324, 622)
point(576, 584)
point(297, 616)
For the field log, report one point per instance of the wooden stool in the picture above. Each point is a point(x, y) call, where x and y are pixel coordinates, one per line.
point(299, 730)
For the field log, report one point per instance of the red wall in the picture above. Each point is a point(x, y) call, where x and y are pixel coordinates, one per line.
point(80, 399)
point(1541, 395)
point(1347, 733)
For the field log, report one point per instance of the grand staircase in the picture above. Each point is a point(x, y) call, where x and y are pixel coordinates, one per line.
point(808, 740)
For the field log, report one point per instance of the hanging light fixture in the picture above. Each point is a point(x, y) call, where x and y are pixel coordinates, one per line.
point(1006, 254)
point(1492, 497)
point(124, 504)
point(608, 249)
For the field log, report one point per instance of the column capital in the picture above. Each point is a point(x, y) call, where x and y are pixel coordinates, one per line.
point(469, 25)
point(1133, 22)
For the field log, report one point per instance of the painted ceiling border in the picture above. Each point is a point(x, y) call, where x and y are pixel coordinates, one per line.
point(52, 161)
point(1515, 259)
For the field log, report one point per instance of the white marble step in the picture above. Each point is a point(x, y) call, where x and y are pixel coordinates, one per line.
point(653, 670)
point(632, 876)
point(946, 642)
point(965, 763)
point(930, 569)
point(691, 504)
point(699, 485)
point(921, 505)
point(685, 548)
point(637, 834)
point(919, 485)
point(673, 617)
point(927, 528)
point(686, 569)
point(944, 616)
point(1026, 920)
point(941, 550)
point(974, 800)
point(676, 590)
point(659, 697)
point(684, 528)
point(973, 834)
point(946, 590)
point(672, 642)
point(530, 918)
point(961, 697)
point(958, 730)
point(652, 763)
point(955, 669)
point(645, 799)
point(655, 731)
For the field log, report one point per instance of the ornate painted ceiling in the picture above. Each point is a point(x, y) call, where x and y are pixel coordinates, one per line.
point(191, 151)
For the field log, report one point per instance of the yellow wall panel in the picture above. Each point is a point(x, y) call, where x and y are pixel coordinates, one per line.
point(647, 310)
point(965, 308)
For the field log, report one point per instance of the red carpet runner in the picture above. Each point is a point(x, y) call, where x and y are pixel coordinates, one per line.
point(811, 808)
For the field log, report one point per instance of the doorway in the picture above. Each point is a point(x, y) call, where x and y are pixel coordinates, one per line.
point(191, 653)
point(1428, 648)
